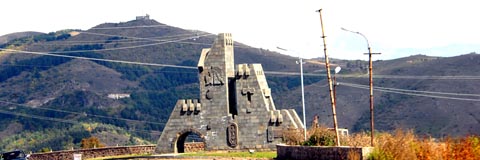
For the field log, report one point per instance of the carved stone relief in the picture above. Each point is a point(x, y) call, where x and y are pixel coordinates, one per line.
point(232, 136)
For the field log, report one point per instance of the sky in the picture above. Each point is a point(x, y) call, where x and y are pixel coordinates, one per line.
point(394, 28)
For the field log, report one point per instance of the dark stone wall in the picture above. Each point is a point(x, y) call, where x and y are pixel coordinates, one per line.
point(93, 153)
point(194, 146)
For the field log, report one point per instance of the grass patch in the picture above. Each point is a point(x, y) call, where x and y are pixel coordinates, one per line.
point(115, 157)
point(270, 155)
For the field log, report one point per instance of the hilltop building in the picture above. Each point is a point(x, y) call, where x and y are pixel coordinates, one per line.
point(146, 17)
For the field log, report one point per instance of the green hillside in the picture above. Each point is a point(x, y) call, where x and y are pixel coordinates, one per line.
point(77, 90)
point(48, 97)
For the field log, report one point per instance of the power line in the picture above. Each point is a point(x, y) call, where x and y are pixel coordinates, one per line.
point(124, 39)
point(140, 38)
point(411, 94)
point(39, 117)
point(153, 39)
point(416, 91)
point(117, 69)
point(122, 48)
point(381, 76)
point(266, 72)
point(91, 43)
point(99, 50)
point(67, 121)
point(99, 59)
point(130, 27)
point(85, 114)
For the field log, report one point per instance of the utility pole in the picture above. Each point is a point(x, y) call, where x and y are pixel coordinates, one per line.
point(370, 72)
point(370, 66)
point(327, 66)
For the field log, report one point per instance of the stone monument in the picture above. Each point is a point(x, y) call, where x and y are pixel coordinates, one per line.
point(235, 110)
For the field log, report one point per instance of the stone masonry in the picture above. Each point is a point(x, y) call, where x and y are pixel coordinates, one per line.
point(94, 152)
point(235, 110)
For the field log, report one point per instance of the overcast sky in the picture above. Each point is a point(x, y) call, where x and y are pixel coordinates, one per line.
point(394, 28)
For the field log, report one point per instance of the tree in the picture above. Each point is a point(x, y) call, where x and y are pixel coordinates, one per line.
point(92, 142)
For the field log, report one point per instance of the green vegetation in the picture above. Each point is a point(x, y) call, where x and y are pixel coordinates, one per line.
point(320, 137)
point(52, 36)
point(118, 157)
point(38, 64)
point(65, 138)
point(271, 154)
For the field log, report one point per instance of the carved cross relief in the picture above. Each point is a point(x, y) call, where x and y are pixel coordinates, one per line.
point(248, 92)
point(212, 78)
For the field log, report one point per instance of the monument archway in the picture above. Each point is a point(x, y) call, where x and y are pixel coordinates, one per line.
point(189, 141)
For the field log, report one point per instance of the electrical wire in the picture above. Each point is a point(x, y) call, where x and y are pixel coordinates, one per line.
point(128, 47)
point(85, 114)
point(266, 72)
point(130, 27)
point(149, 39)
point(67, 121)
point(124, 39)
point(91, 43)
point(153, 39)
point(381, 76)
point(154, 71)
point(416, 91)
point(411, 94)
point(39, 117)
point(100, 59)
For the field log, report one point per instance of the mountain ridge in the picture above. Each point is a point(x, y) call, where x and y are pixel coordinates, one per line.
point(81, 87)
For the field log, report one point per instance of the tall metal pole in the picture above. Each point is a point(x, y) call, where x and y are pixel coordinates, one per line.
point(370, 66)
point(332, 98)
point(303, 96)
point(303, 101)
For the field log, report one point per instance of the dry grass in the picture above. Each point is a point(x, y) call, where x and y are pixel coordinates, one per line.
point(404, 145)
point(293, 137)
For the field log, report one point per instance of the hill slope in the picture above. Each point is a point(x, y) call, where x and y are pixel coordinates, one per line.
point(449, 113)
point(78, 90)
point(8, 37)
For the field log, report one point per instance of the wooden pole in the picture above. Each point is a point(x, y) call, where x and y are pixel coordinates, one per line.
point(332, 98)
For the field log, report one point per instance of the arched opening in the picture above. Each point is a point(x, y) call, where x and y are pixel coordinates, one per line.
point(190, 142)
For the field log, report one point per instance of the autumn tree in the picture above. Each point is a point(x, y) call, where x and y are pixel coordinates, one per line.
point(92, 142)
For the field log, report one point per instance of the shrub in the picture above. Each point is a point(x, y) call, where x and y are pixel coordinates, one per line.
point(293, 137)
point(320, 137)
